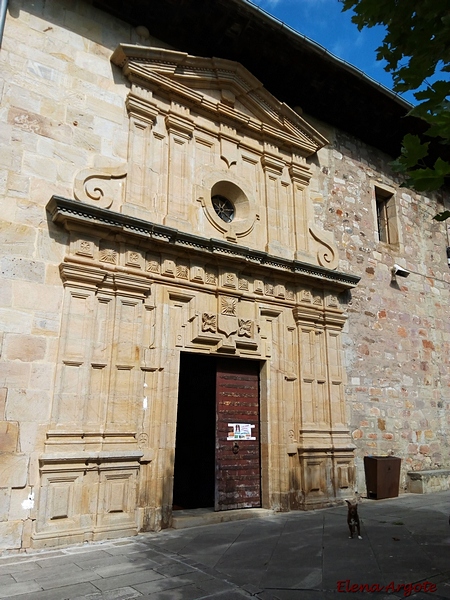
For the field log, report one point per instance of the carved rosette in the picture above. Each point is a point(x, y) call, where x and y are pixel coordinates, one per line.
point(108, 255)
point(209, 322)
point(245, 328)
point(228, 306)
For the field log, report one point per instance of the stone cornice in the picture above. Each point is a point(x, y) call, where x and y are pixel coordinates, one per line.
point(64, 211)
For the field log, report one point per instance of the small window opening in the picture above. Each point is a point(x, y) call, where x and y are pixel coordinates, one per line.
point(386, 216)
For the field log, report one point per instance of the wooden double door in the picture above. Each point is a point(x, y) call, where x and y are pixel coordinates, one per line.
point(217, 454)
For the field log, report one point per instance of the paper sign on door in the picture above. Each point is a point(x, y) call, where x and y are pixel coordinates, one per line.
point(240, 431)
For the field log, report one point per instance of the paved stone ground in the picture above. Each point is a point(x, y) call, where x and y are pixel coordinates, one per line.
point(289, 556)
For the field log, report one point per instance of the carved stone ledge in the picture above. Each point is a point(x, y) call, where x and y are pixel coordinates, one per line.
point(67, 212)
point(73, 458)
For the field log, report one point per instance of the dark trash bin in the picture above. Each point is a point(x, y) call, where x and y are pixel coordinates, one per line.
point(382, 476)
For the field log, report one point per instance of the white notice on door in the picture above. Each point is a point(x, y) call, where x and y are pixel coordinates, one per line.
point(240, 431)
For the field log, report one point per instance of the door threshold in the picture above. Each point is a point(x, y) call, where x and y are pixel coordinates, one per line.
point(195, 517)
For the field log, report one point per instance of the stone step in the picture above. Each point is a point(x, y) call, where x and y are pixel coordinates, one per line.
point(195, 517)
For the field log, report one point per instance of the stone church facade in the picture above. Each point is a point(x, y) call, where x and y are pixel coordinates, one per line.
point(198, 300)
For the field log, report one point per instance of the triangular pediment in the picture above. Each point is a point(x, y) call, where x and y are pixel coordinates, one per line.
point(222, 88)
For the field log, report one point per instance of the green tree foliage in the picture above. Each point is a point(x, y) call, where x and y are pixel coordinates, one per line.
point(416, 48)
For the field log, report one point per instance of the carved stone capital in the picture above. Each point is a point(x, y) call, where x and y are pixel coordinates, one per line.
point(139, 108)
point(270, 164)
point(300, 174)
point(179, 126)
point(80, 275)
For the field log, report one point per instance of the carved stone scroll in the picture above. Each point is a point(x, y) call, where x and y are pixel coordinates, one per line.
point(327, 254)
point(95, 185)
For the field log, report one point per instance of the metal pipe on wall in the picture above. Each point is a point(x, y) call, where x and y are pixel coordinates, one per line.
point(3, 7)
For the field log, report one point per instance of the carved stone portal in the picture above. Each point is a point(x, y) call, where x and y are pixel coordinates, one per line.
point(153, 270)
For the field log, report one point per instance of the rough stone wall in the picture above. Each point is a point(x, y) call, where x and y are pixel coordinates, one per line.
point(397, 337)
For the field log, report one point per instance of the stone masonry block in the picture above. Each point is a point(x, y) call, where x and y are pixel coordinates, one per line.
point(22, 501)
point(5, 496)
point(13, 375)
point(28, 405)
point(31, 436)
point(18, 186)
point(41, 377)
point(3, 395)
point(15, 240)
point(21, 268)
point(15, 321)
point(5, 293)
point(29, 213)
point(13, 470)
point(38, 166)
point(36, 296)
point(10, 535)
point(26, 348)
point(9, 436)
point(45, 324)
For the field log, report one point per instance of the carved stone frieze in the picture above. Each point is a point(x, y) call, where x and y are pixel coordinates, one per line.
point(133, 259)
point(280, 291)
point(306, 296)
point(152, 263)
point(258, 286)
point(332, 301)
point(269, 289)
point(73, 216)
point(243, 284)
point(229, 280)
point(182, 271)
point(317, 301)
point(84, 248)
point(210, 278)
point(197, 274)
point(169, 268)
point(108, 255)
point(290, 294)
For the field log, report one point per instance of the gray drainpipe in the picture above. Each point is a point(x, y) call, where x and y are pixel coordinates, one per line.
point(3, 7)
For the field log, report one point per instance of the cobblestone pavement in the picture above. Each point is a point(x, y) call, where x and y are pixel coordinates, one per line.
point(405, 552)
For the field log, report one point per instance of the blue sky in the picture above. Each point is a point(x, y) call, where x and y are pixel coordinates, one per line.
point(324, 22)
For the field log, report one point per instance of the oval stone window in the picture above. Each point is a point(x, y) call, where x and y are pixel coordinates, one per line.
point(223, 207)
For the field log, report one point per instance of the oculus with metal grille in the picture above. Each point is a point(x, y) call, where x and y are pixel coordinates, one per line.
point(223, 207)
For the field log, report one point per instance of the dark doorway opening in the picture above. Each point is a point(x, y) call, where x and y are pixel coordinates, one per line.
point(194, 476)
point(217, 451)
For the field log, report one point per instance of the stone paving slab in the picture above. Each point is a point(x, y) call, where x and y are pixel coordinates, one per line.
point(291, 556)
